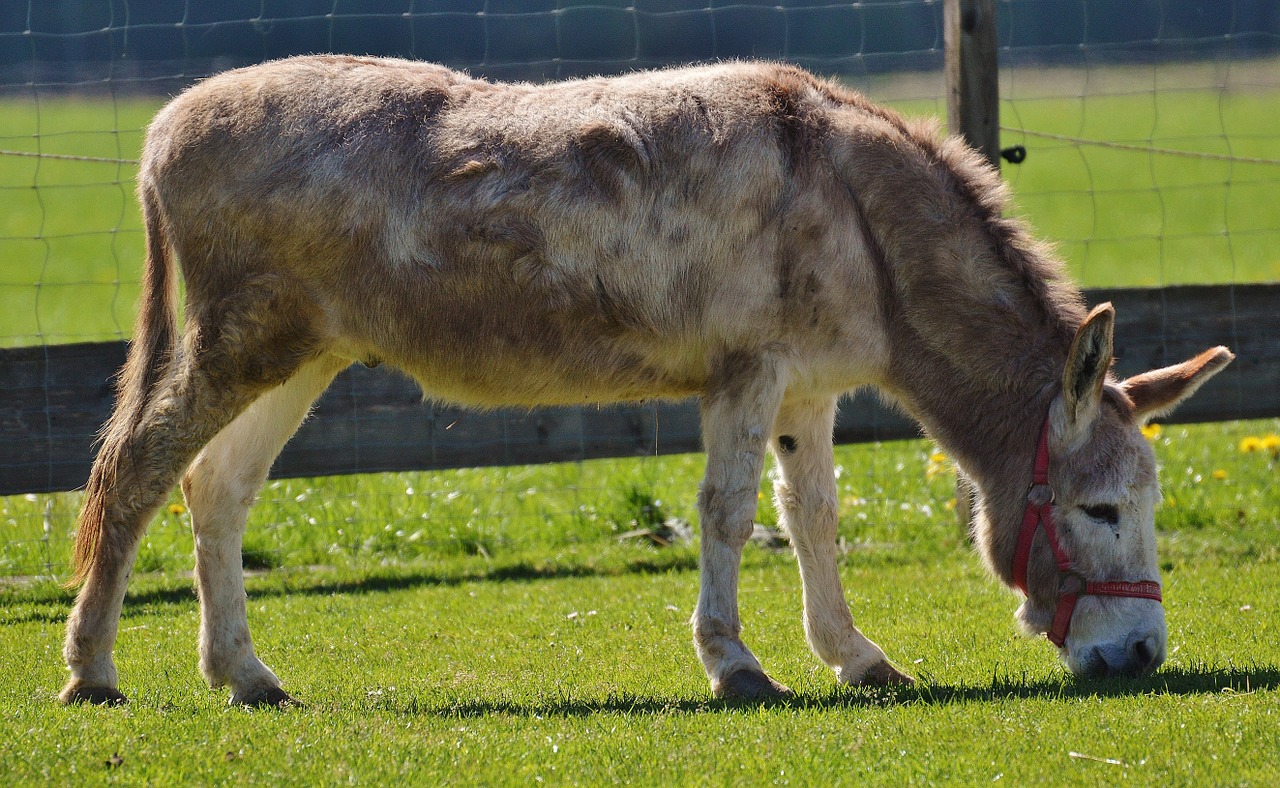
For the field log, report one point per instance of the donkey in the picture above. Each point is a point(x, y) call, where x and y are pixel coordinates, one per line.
point(743, 232)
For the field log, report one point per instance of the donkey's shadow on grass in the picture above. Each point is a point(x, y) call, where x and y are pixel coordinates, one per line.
point(46, 604)
point(1175, 681)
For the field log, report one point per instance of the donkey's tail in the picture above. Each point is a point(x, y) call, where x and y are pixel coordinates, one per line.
point(151, 353)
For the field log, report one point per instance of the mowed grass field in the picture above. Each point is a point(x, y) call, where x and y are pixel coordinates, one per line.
point(491, 626)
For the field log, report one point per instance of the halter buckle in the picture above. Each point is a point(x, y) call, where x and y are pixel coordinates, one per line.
point(1071, 582)
point(1040, 494)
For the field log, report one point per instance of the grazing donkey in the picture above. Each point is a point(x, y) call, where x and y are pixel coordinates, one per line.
point(742, 232)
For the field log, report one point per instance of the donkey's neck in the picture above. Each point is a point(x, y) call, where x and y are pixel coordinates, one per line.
point(979, 316)
point(989, 426)
point(977, 346)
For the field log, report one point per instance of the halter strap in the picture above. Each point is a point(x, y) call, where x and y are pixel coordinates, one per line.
point(1071, 585)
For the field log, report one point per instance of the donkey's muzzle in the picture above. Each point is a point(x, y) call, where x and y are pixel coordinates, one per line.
point(1143, 653)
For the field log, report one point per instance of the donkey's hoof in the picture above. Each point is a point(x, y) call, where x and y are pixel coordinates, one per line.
point(267, 697)
point(883, 674)
point(750, 685)
point(97, 696)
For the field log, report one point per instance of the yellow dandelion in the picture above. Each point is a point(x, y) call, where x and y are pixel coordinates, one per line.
point(1271, 442)
point(1251, 444)
point(1219, 474)
point(1151, 431)
point(950, 505)
point(177, 508)
point(938, 457)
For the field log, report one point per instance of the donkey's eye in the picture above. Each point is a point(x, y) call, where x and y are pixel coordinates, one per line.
point(1102, 512)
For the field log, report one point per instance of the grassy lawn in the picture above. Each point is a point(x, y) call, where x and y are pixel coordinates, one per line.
point(510, 636)
point(445, 674)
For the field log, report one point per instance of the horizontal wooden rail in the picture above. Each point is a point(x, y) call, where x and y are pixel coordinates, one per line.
point(53, 399)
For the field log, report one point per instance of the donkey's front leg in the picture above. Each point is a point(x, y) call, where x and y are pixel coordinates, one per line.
point(736, 413)
point(805, 496)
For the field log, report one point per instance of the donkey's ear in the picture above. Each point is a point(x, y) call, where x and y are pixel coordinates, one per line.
point(1159, 391)
point(1087, 365)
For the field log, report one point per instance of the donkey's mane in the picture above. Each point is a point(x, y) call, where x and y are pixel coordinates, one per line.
point(1039, 270)
point(922, 195)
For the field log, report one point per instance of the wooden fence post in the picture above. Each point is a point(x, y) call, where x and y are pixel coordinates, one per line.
point(973, 95)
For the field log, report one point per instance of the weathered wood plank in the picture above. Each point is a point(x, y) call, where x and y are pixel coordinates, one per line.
point(1158, 327)
point(53, 399)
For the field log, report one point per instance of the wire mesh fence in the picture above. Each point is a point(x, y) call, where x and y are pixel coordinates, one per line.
point(1152, 161)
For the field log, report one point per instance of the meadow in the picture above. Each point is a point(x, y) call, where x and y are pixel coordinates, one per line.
point(501, 625)
point(491, 626)
point(71, 241)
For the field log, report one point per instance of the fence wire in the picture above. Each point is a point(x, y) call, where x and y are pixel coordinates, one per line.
point(1150, 130)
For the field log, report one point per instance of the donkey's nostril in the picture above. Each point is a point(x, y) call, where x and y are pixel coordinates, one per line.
point(1094, 666)
point(1144, 654)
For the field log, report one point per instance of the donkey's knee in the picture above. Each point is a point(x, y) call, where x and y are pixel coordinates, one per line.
point(727, 515)
point(806, 516)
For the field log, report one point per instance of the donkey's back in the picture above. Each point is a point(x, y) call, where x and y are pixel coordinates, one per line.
point(592, 240)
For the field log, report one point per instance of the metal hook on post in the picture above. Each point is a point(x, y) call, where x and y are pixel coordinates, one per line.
point(1014, 155)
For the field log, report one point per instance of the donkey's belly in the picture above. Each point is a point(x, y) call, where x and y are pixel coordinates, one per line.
point(588, 328)
point(574, 374)
point(515, 355)
point(538, 366)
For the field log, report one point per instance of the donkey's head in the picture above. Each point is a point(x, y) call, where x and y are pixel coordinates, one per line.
point(1085, 555)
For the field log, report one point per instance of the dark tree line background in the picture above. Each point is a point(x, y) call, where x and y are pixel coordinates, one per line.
point(537, 39)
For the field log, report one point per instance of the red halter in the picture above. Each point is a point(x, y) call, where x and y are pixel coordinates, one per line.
point(1072, 585)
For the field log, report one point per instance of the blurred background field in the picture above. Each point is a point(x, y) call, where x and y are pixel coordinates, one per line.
point(71, 241)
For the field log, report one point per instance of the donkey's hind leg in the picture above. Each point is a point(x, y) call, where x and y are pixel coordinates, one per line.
point(807, 506)
point(186, 412)
point(232, 352)
point(736, 414)
point(220, 486)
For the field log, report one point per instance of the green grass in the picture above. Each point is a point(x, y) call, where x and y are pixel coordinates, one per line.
point(561, 653)
point(438, 675)
point(1125, 218)
point(70, 232)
